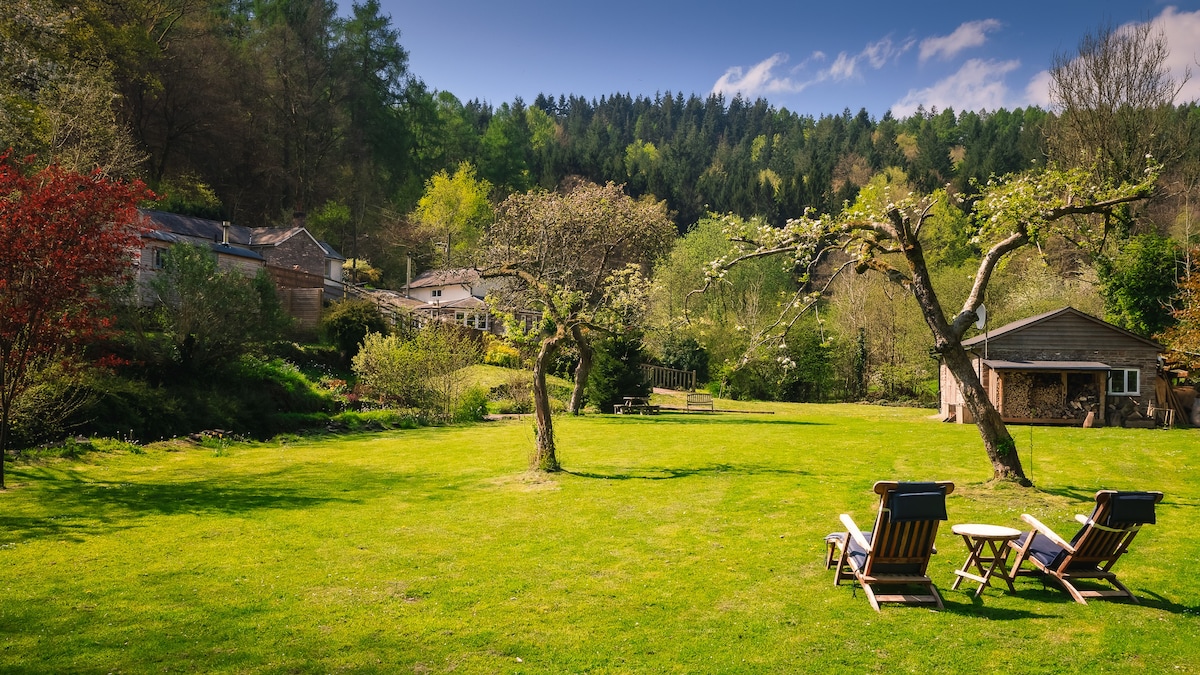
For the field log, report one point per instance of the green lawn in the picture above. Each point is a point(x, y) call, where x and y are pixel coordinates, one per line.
point(672, 544)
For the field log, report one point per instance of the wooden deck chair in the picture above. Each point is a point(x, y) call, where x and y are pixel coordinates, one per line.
point(895, 553)
point(1093, 550)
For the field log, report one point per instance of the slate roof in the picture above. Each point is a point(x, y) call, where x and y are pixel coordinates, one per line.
point(173, 224)
point(330, 251)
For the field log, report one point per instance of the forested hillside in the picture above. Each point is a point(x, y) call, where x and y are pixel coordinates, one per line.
point(254, 110)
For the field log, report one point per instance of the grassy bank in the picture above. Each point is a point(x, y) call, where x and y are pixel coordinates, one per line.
point(671, 544)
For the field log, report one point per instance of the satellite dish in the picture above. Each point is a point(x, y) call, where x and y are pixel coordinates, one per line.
point(981, 312)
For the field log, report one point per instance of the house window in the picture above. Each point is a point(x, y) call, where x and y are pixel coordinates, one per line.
point(1124, 381)
point(435, 293)
point(157, 261)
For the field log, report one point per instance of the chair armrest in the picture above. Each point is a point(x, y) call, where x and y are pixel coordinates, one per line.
point(1047, 532)
point(855, 533)
point(1082, 519)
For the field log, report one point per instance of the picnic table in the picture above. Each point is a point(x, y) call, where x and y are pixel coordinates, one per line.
point(636, 404)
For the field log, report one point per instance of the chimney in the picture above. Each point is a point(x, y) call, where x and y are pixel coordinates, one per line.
point(297, 219)
point(225, 232)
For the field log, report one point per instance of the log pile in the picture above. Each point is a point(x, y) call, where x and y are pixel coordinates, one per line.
point(1044, 396)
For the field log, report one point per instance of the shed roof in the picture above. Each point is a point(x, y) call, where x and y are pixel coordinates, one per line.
point(1046, 365)
point(1023, 324)
point(237, 251)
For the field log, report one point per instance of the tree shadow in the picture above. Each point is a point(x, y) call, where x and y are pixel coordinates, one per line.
point(707, 418)
point(1088, 495)
point(669, 473)
point(1072, 492)
point(76, 506)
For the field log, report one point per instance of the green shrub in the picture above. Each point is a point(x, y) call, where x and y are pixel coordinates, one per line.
point(514, 397)
point(472, 405)
point(252, 396)
point(616, 371)
point(375, 420)
point(346, 323)
point(496, 352)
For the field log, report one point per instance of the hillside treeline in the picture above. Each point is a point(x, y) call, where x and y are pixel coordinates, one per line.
point(255, 110)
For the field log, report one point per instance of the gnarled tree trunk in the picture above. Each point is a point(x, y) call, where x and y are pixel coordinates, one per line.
point(947, 341)
point(582, 370)
point(544, 457)
point(1001, 449)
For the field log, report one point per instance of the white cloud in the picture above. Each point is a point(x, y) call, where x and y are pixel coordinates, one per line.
point(758, 80)
point(844, 67)
point(1182, 30)
point(978, 85)
point(1037, 92)
point(765, 77)
point(970, 34)
point(876, 54)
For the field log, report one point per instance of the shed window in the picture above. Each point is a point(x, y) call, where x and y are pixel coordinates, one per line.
point(1124, 381)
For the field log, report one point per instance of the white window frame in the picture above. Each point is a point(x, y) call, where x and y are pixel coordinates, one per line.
point(1122, 381)
point(435, 293)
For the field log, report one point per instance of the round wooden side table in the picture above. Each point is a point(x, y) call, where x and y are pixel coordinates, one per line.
point(988, 545)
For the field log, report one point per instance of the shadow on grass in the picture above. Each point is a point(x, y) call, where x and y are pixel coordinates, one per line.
point(665, 473)
point(1074, 492)
point(78, 507)
point(976, 607)
point(1088, 494)
point(1054, 594)
point(1155, 601)
point(683, 418)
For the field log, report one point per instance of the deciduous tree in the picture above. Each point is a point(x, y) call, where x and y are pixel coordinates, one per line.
point(1183, 339)
point(576, 256)
point(456, 209)
point(883, 230)
point(64, 238)
point(1113, 98)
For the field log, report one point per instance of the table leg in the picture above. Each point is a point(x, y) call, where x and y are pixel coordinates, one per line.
point(975, 547)
point(1000, 563)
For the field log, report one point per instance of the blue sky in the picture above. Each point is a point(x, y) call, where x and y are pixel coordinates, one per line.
point(810, 57)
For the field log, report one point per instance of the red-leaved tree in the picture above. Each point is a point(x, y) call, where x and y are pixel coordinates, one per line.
point(64, 238)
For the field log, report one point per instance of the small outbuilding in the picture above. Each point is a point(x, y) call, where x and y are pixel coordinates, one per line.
point(1062, 367)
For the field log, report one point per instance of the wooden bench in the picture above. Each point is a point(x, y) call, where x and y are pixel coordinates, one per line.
point(700, 402)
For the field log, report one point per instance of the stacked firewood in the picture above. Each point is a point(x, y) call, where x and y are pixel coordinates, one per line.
point(1030, 396)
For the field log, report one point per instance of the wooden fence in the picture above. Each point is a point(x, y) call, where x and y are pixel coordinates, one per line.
point(304, 305)
point(285, 277)
point(669, 378)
